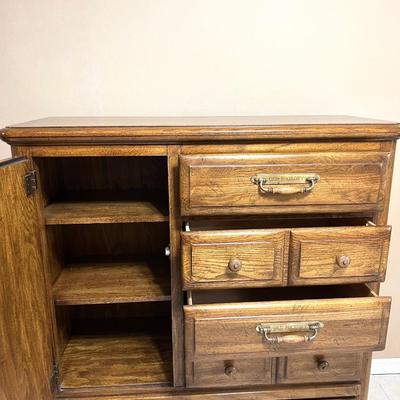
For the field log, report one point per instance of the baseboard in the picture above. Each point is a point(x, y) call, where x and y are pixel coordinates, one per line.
point(385, 366)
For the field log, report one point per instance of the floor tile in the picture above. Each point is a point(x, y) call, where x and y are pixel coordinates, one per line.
point(390, 384)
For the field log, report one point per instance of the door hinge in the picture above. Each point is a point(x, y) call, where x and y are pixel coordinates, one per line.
point(31, 183)
point(54, 379)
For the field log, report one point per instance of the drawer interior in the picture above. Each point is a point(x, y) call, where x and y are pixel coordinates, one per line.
point(271, 222)
point(214, 296)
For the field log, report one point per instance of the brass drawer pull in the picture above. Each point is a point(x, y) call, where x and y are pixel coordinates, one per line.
point(312, 328)
point(343, 261)
point(280, 183)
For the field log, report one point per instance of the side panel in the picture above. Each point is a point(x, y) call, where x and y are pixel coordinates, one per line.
point(25, 333)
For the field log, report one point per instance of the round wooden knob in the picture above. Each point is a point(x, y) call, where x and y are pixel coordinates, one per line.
point(323, 365)
point(343, 261)
point(230, 370)
point(234, 265)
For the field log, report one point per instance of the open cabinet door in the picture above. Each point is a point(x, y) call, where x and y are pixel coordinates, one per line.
point(25, 329)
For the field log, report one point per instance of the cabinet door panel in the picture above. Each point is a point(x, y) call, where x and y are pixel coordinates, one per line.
point(25, 333)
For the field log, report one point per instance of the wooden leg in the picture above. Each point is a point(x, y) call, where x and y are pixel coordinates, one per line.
point(366, 376)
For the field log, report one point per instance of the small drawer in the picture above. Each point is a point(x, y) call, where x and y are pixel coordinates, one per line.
point(220, 373)
point(338, 255)
point(212, 259)
point(313, 368)
point(259, 183)
point(250, 322)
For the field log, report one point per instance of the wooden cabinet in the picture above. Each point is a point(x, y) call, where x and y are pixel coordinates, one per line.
point(193, 258)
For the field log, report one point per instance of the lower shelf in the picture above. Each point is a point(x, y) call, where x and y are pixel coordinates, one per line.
point(119, 359)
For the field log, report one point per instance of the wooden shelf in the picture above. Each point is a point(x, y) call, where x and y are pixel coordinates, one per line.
point(116, 359)
point(103, 212)
point(105, 283)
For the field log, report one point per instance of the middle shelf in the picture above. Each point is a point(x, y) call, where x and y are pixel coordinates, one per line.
point(96, 212)
point(113, 282)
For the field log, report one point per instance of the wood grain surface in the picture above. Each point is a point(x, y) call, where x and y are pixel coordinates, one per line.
point(262, 255)
point(115, 360)
point(349, 324)
point(315, 254)
point(221, 184)
point(231, 373)
point(91, 130)
point(340, 391)
point(103, 283)
point(25, 330)
point(103, 212)
point(302, 368)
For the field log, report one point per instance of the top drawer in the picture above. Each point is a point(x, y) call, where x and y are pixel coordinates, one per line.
point(257, 183)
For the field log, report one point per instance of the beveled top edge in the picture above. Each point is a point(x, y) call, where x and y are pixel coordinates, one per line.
point(198, 121)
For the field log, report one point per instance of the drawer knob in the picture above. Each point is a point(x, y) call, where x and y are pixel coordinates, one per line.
point(323, 365)
point(230, 370)
point(343, 261)
point(234, 265)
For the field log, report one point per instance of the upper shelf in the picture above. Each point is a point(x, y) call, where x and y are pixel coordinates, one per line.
point(103, 212)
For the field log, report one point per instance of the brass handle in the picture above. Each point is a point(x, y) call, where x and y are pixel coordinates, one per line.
point(268, 331)
point(323, 365)
point(282, 183)
point(343, 261)
point(234, 265)
point(230, 370)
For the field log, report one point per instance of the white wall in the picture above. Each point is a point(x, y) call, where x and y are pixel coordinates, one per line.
point(198, 57)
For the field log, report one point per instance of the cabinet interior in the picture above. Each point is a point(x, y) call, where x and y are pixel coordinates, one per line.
point(106, 230)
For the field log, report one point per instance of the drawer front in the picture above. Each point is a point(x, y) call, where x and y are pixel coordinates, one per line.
point(228, 184)
point(348, 324)
point(219, 373)
point(234, 258)
point(338, 255)
point(310, 368)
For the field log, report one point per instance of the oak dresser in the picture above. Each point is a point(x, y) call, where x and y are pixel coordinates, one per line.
point(208, 258)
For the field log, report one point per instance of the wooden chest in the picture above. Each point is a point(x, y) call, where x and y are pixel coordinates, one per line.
point(194, 258)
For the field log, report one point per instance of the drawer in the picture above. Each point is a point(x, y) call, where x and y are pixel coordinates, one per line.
point(338, 255)
point(313, 368)
point(225, 323)
point(257, 183)
point(241, 258)
point(209, 373)
point(259, 257)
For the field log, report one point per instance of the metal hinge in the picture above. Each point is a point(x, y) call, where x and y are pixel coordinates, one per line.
point(31, 184)
point(54, 379)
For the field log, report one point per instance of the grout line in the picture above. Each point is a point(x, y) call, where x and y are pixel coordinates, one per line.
point(384, 391)
point(385, 366)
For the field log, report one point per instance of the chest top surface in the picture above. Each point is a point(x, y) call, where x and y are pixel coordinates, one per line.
point(56, 130)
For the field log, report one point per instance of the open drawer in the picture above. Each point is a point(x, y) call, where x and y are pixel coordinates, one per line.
point(277, 322)
point(237, 258)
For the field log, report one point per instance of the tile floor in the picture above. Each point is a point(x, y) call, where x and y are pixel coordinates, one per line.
point(384, 387)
